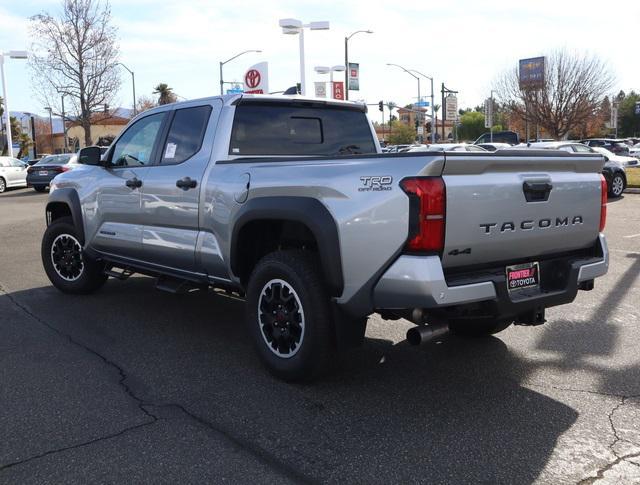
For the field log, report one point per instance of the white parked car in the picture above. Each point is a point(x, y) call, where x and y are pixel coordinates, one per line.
point(621, 159)
point(13, 173)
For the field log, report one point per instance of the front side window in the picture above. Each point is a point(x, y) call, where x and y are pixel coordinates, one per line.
point(134, 147)
point(582, 149)
point(281, 129)
point(186, 134)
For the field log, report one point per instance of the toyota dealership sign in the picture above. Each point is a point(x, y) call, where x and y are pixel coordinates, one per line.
point(256, 79)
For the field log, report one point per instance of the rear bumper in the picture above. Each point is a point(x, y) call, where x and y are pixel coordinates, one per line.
point(419, 282)
point(40, 180)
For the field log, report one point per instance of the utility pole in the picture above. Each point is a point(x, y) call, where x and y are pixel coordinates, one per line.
point(49, 109)
point(64, 126)
point(33, 137)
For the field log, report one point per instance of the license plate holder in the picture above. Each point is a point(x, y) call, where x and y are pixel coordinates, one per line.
point(523, 276)
point(43, 172)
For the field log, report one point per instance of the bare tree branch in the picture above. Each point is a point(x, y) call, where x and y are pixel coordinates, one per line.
point(75, 55)
point(573, 89)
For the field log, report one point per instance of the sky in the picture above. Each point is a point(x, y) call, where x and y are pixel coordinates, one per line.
point(466, 44)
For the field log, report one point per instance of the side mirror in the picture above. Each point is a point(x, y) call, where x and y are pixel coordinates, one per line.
point(90, 156)
point(606, 158)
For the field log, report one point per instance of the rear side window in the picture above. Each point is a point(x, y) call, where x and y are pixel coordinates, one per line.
point(185, 134)
point(279, 129)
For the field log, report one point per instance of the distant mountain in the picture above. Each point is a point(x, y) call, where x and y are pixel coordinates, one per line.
point(23, 116)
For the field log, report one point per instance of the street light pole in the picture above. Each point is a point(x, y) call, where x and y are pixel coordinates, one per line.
point(12, 55)
point(133, 82)
point(346, 59)
point(417, 79)
point(296, 27)
point(330, 70)
point(433, 121)
point(229, 60)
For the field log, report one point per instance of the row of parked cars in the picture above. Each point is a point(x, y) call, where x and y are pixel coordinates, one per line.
point(614, 170)
point(35, 173)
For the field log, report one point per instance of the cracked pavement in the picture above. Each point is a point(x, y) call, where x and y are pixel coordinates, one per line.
point(134, 385)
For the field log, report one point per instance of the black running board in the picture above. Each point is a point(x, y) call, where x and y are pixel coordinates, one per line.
point(119, 273)
point(177, 285)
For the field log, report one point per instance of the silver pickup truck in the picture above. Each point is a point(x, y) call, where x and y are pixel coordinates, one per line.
point(289, 203)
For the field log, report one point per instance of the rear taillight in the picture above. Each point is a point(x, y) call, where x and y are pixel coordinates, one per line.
point(30, 170)
point(603, 202)
point(64, 168)
point(427, 203)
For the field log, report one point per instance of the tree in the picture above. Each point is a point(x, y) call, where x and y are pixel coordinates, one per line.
point(471, 125)
point(76, 55)
point(573, 88)
point(401, 134)
point(144, 103)
point(165, 94)
point(628, 120)
point(25, 142)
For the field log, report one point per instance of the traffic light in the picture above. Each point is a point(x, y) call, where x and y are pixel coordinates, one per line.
point(381, 105)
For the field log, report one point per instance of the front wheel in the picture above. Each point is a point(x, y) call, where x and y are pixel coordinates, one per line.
point(3, 185)
point(69, 269)
point(289, 315)
point(617, 185)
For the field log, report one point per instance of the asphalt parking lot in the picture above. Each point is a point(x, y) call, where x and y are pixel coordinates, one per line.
point(132, 385)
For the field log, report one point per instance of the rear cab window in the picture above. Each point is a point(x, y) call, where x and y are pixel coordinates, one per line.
point(185, 134)
point(281, 129)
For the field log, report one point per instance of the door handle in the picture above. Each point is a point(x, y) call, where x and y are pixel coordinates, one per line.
point(134, 183)
point(186, 183)
point(536, 191)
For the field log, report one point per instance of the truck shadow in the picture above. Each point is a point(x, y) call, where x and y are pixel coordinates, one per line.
point(454, 412)
point(575, 344)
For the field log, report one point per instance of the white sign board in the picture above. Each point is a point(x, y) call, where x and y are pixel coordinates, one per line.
point(451, 107)
point(321, 89)
point(488, 113)
point(256, 79)
point(420, 130)
point(614, 117)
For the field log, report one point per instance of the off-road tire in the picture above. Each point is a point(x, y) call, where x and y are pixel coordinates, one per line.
point(73, 272)
point(312, 355)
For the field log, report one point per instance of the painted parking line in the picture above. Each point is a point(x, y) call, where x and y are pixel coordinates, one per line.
point(632, 235)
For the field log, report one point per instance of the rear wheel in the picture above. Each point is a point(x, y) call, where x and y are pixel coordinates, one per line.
point(39, 188)
point(289, 315)
point(617, 185)
point(3, 185)
point(478, 328)
point(68, 267)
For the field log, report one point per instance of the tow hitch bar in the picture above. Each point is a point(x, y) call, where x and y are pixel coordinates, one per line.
point(533, 317)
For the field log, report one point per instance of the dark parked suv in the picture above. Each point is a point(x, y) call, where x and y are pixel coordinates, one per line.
point(40, 175)
point(614, 145)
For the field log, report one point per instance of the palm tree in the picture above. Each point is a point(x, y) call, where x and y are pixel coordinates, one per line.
point(165, 94)
point(25, 142)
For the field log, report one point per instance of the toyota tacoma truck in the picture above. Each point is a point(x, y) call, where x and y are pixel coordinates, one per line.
point(288, 203)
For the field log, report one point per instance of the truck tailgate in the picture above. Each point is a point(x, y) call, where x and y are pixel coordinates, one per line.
point(509, 207)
